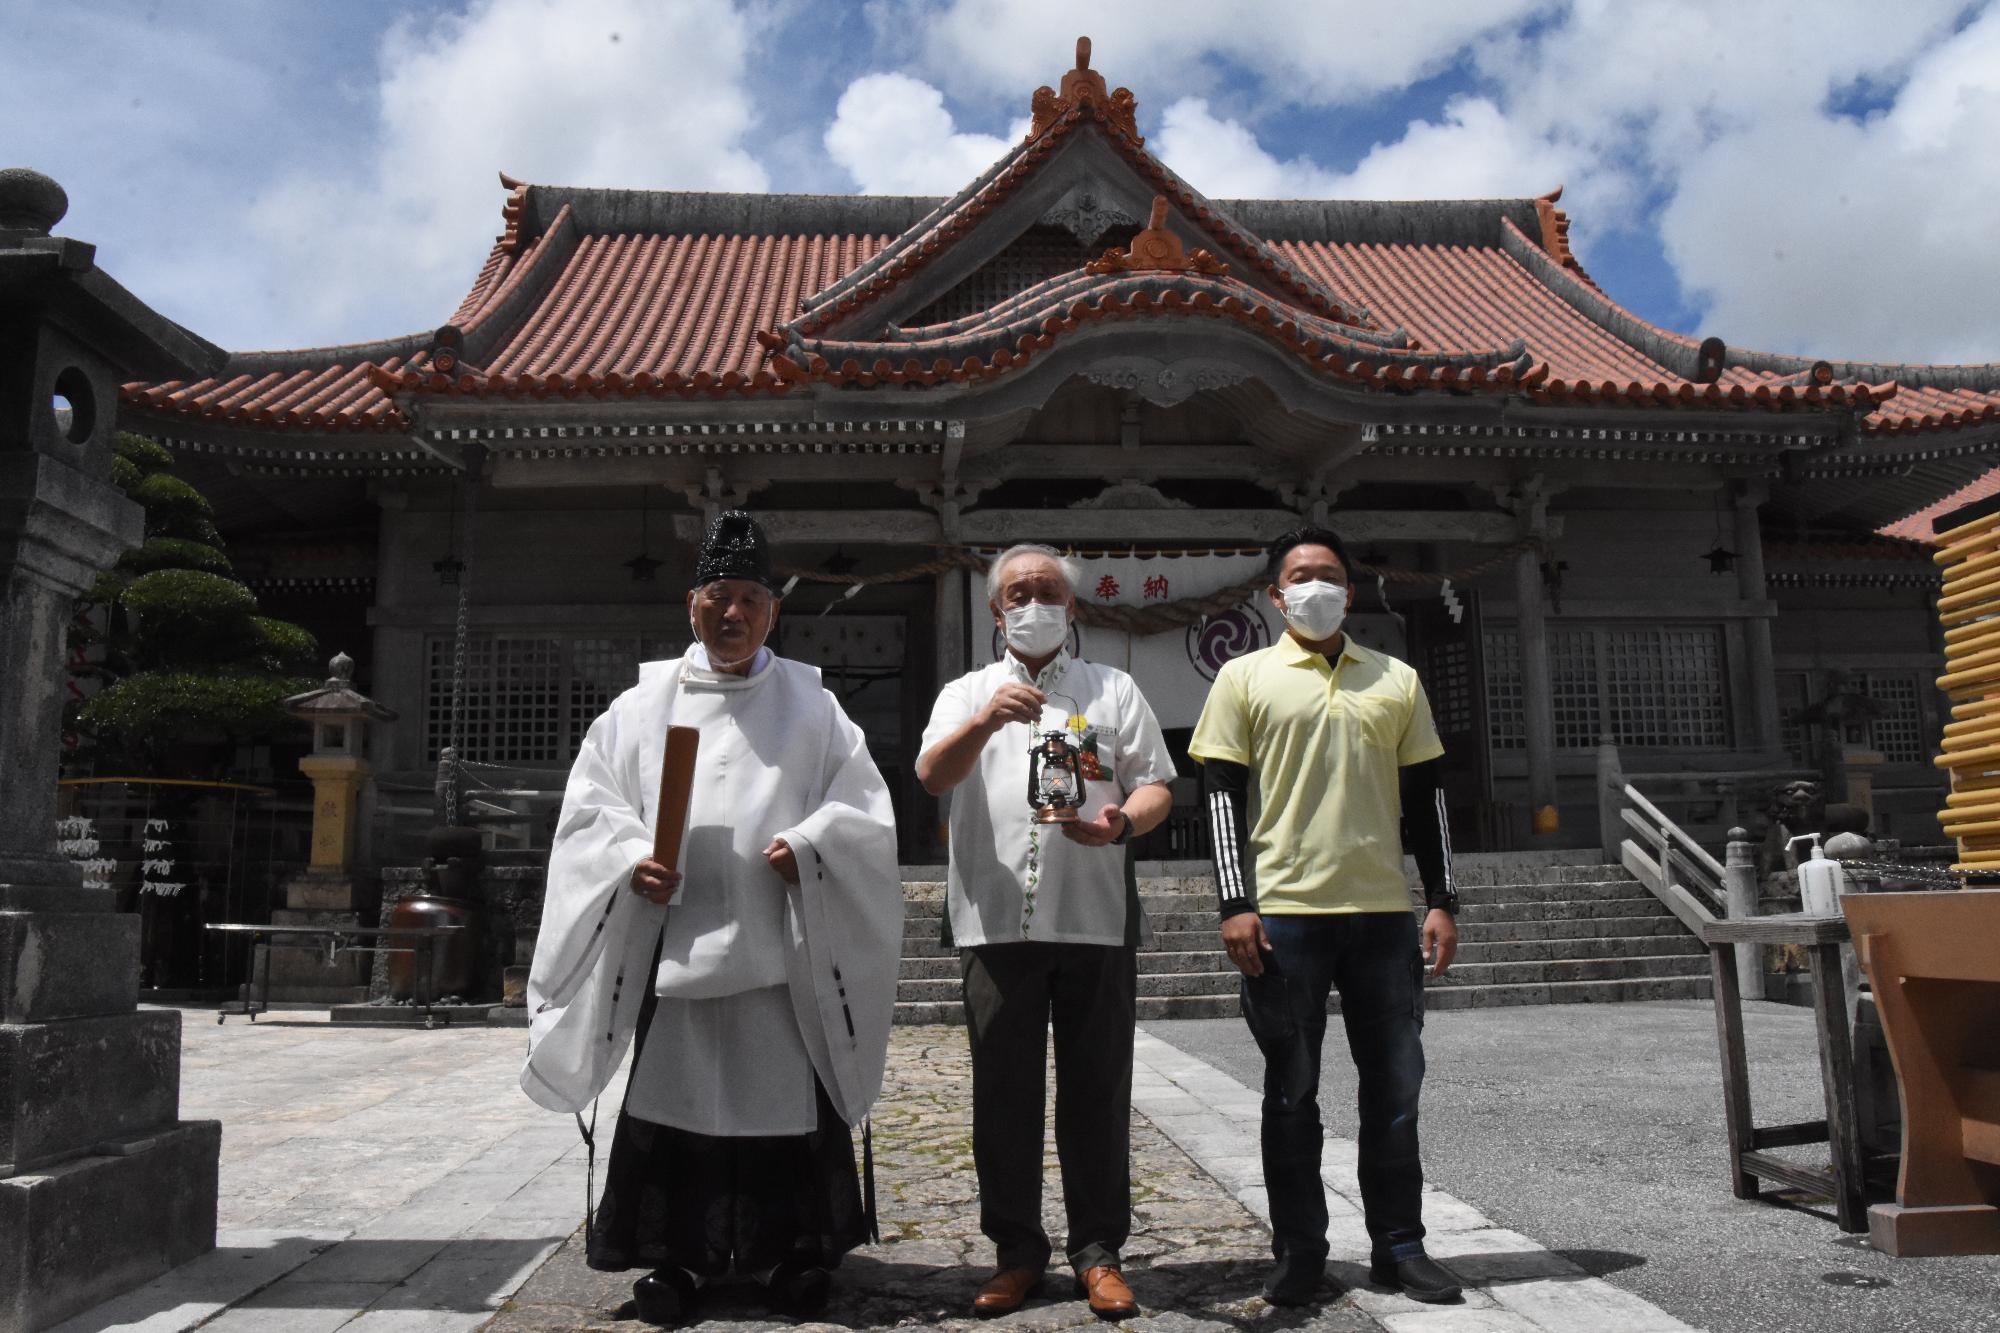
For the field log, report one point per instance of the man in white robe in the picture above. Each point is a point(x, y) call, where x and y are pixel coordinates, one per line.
point(772, 951)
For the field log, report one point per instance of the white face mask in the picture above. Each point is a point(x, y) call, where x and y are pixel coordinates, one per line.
point(1315, 609)
point(1037, 629)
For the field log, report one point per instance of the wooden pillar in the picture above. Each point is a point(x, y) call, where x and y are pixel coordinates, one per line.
point(1537, 687)
point(1757, 630)
point(951, 604)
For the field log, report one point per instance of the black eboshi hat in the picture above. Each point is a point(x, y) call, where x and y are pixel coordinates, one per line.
point(735, 548)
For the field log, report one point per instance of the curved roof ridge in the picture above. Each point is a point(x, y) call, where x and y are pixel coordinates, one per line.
point(608, 211)
point(1675, 352)
point(323, 358)
point(523, 284)
point(1977, 376)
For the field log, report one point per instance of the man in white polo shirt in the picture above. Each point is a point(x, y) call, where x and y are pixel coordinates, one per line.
point(1047, 922)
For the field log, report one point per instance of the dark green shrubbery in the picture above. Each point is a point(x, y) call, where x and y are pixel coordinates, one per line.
point(188, 664)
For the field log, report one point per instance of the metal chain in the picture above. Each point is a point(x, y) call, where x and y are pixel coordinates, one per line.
point(1927, 874)
point(455, 738)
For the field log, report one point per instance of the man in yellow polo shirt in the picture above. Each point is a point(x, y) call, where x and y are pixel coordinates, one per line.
point(1319, 759)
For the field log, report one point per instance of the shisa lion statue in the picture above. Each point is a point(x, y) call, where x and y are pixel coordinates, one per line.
point(1796, 808)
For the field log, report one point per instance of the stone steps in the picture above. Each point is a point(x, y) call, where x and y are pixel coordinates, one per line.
point(1549, 928)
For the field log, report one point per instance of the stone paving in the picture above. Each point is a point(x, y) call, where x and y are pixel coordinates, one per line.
point(379, 1180)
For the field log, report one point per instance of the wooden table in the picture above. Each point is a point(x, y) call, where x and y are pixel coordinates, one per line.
point(334, 940)
point(1749, 1161)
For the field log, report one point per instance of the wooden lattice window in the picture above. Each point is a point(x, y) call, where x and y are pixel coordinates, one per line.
point(1898, 733)
point(1654, 686)
point(1036, 255)
point(1450, 685)
point(531, 697)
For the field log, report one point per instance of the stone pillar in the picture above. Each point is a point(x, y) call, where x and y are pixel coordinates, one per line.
point(340, 886)
point(1537, 691)
point(1860, 764)
point(1611, 827)
point(102, 1185)
point(1750, 587)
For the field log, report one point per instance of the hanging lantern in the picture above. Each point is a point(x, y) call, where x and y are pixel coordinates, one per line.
point(1055, 778)
point(1720, 559)
point(449, 567)
point(643, 566)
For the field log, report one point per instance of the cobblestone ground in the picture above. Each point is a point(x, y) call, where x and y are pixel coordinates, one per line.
point(1195, 1259)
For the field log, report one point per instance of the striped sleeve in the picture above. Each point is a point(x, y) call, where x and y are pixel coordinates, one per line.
point(1225, 796)
point(1427, 833)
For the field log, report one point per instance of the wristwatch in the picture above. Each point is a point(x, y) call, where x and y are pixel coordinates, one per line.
point(1125, 833)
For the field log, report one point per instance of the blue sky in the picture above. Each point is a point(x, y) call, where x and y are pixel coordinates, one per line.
point(1815, 176)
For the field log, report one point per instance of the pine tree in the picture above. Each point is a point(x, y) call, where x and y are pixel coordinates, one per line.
point(192, 669)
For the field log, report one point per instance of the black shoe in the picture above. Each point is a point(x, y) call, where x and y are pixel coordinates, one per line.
point(1296, 1280)
point(665, 1297)
point(1421, 1278)
point(800, 1289)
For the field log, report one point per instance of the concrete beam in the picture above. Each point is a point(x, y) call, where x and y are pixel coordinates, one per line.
point(1199, 525)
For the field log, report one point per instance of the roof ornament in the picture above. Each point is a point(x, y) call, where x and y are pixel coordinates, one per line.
point(1156, 249)
point(1085, 87)
point(1555, 229)
point(1709, 360)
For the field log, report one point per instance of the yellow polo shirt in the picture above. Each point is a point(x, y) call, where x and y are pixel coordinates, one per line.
point(1325, 743)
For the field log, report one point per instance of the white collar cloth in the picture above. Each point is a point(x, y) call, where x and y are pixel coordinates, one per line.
point(1011, 879)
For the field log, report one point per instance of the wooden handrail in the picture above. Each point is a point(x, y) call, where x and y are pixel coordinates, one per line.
point(1702, 859)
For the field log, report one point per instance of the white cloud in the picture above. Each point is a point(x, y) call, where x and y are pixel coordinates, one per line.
point(615, 93)
point(1870, 239)
point(1310, 54)
point(1716, 130)
point(894, 135)
point(1471, 152)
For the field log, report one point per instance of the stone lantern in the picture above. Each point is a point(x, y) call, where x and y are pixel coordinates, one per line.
point(102, 1185)
point(339, 887)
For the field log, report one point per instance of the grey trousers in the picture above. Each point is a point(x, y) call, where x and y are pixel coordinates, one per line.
point(1013, 994)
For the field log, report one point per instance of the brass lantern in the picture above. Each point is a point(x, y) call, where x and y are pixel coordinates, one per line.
point(1055, 778)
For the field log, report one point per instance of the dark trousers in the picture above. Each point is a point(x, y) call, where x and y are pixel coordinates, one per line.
point(1376, 962)
point(1012, 994)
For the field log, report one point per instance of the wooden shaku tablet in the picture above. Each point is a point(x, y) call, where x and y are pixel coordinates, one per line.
point(676, 788)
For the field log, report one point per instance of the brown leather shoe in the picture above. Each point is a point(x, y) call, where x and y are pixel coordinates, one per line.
point(1109, 1297)
point(1005, 1292)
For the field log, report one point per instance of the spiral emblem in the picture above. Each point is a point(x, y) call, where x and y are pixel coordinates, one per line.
point(1219, 638)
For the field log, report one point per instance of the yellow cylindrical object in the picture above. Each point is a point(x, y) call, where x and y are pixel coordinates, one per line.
point(1971, 568)
point(1969, 657)
point(1986, 753)
point(1978, 629)
point(1972, 590)
point(1957, 536)
point(1973, 637)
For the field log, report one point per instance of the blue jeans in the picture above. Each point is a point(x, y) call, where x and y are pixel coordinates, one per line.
point(1376, 962)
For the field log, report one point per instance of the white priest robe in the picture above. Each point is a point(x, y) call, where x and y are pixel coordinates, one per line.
point(760, 985)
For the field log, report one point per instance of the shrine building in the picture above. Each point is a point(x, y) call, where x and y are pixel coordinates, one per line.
point(1579, 526)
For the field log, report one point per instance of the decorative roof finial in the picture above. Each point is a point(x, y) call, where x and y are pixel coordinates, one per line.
point(1156, 249)
point(1083, 87)
point(31, 202)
